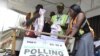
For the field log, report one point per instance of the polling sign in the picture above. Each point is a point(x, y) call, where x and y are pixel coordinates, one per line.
point(40, 47)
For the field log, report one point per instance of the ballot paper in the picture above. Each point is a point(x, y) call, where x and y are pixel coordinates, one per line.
point(55, 29)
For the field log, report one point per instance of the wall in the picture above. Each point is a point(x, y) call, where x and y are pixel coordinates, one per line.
point(8, 18)
point(93, 12)
point(29, 5)
point(91, 7)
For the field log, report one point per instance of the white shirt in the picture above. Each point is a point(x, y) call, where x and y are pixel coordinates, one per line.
point(39, 22)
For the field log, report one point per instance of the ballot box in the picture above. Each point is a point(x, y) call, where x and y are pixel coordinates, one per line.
point(43, 46)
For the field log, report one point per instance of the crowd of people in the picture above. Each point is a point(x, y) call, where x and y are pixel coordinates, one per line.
point(73, 24)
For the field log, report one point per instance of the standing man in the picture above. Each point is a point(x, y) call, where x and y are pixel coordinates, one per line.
point(60, 18)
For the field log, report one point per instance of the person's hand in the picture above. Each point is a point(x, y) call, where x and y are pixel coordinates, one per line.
point(37, 33)
point(67, 40)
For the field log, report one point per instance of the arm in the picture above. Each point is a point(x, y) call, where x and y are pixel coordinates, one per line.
point(68, 31)
point(29, 21)
point(75, 28)
point(68, 25)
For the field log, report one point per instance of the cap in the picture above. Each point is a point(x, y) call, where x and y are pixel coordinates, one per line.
point(60, 5)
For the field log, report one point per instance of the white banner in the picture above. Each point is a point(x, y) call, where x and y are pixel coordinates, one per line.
point(40, 47)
